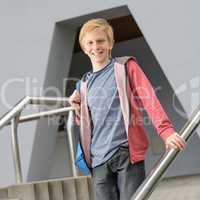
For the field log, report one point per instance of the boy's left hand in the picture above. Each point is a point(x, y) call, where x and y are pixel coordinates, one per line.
point(175, 141)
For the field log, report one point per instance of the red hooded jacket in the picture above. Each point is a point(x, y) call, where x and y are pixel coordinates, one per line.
point(135, 93)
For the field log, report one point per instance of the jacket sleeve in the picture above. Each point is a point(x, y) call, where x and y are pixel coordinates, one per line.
point(145, 94)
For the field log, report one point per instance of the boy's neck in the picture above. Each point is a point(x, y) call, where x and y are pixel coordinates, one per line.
point(100, 66)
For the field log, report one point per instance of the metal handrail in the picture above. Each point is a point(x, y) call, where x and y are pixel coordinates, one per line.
point(144, 191)
point(12, 117)
point(35, 116)
point(31, 100)
point(150, 183)
point(14, 111)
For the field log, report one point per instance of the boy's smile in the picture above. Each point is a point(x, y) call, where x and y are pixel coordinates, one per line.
point(98, 48)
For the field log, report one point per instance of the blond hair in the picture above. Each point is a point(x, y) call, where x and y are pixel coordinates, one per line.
point(93, 24)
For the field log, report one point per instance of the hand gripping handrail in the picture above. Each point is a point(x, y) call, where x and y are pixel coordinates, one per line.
point(12, 117)
point(150, 183)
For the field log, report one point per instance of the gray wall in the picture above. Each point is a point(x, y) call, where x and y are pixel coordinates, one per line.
point(31, 52)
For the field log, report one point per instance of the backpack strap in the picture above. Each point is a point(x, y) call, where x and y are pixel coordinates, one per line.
point(123, 60)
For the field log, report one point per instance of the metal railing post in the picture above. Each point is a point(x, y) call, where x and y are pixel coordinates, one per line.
point(15, 149)
point(70, 135)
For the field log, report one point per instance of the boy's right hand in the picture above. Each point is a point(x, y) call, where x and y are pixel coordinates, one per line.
point(75, 101)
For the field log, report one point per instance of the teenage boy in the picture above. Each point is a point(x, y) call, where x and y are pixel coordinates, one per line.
point(108, 107)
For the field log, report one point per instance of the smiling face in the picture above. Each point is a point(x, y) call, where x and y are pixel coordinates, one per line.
point(98, 47)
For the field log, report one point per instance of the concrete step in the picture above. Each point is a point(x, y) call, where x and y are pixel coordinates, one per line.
point(22, 191)
point(180, 188)
point(60, 189)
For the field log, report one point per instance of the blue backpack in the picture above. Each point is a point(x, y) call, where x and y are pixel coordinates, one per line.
point(80, 160)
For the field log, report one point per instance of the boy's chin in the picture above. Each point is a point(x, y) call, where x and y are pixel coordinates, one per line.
point(100, 59)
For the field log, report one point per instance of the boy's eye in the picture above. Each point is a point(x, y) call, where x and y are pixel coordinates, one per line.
point(89, 43)
point(100, 41)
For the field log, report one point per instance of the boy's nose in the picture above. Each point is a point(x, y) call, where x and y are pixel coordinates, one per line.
point(96, 46)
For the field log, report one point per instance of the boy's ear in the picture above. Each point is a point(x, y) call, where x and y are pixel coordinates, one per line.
point(111, 45)
point(83, 49)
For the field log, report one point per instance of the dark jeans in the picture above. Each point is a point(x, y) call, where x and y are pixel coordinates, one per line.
point(117, 179)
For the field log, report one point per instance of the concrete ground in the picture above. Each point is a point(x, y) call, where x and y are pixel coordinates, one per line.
point(180, 188)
